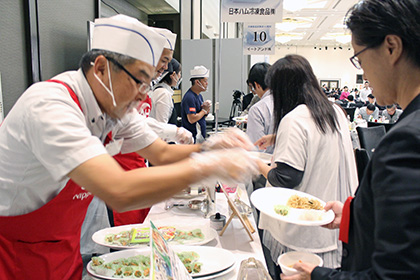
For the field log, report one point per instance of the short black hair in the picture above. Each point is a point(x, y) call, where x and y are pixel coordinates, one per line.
point(350, 97)
point(371, 107)
point(192, 80)
point(371, 20)
point(371, 96)
point(257, 74)
point(391, 106)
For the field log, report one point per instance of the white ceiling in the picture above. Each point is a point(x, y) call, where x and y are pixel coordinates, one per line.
point(319, 23)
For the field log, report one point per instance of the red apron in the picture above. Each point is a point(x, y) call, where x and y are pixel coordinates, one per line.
point(128, 162)
point(45, 244)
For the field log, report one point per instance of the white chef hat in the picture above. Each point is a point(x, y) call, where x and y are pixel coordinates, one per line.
point(200, 72)
point(128, 36)
point(169, 36)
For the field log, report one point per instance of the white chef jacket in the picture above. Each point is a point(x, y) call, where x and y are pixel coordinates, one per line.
point(162, 104)
point(45, 136)
point(329, 167)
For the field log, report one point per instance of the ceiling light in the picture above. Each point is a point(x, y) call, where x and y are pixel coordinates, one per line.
point(343, 39)
point(286, 26)
point(294, 5)
point(283, 39)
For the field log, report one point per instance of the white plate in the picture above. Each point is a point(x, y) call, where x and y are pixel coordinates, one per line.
point(265, 199)
point(99, 236)
point(214, 260)
point(242, 119)
point(264, 157)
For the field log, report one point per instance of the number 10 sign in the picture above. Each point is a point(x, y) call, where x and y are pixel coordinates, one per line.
point(259, 38)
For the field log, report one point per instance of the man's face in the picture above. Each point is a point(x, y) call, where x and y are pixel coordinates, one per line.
point(371, 100)
point(391, 111)
point(369, 112)
point(127, 90)
point(203, 83)
point(366, 85)
point(164, 60)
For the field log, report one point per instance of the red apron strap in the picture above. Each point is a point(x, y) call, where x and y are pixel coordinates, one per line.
point(345, 221)
point(72, 94)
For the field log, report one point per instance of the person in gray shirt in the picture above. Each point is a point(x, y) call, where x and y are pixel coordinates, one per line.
point(369, 113)
point(260, 115)
point(392, 113)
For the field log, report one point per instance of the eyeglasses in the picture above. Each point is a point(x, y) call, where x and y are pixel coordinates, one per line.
point(355, 60)
point(143, 87)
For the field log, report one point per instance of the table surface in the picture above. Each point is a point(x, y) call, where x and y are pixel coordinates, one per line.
point(235, 238)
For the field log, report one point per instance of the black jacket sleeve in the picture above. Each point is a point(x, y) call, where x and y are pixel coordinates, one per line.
point(284, 176)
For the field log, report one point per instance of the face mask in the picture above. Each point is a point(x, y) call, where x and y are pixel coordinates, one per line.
point(111, 92)
point(201, 86)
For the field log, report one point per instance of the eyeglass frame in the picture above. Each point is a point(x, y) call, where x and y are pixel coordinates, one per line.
point(143, 87)
point(355, 60)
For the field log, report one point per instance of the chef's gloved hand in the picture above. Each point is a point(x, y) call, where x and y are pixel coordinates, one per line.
point(230, 166)
point(207, 103)
point(183, 136)
point(230, 138)
point(206, 106)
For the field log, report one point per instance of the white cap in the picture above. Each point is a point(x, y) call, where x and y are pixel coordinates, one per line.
point(200, 72)
point(169, 36)
point(128, 36)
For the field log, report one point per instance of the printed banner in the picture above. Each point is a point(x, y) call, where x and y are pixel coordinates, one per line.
point(252, 10)
point(259, 38)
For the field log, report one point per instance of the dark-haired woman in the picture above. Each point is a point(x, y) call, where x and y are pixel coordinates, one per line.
point(162, 104)
point(313, 153)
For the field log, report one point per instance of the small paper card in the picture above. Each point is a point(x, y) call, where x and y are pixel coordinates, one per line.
point(165, 263)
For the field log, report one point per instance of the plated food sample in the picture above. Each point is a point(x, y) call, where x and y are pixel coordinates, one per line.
point(137, 235)
point(200, 261)
point(138, 266)
point(141, 235)
point(291, 206)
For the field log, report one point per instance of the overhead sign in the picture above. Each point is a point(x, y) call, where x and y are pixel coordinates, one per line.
point(252, 10)
point(259, 38)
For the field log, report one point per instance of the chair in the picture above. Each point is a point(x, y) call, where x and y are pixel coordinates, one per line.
point(362, 159)
point(350, 112)
point(387, 126)
point(370, 137)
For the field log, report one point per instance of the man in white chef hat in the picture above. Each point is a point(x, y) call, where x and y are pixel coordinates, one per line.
point(193, 108)
point(51, 143)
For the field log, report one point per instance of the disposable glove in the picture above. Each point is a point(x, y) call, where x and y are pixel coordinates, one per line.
point(230, 138)
point(183, 136)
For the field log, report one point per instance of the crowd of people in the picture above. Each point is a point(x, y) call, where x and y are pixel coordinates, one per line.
point(365, 104)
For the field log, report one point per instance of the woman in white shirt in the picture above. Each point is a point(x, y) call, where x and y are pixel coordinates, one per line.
point(162, 104)
point(313, 153)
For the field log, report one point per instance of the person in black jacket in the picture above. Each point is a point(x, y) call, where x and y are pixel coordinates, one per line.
point(380, 226)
